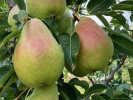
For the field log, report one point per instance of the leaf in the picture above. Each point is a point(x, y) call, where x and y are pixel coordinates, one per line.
point(63, 96)
point(98, 6)
point(70, 45)
point(126, 7)
point(4, 27)
point(76, 81)
point(4, 79)
point(122, 44)
point(3, 71)
point(21, 86)
point(10, 82)
point(121, 33)
point(3, 51)
point(81, 1)
point(52, 25)
point(104, 21)
point(95, 89)
point(117, 16)
point(10, 94)
point(11, 35)
point(69, 91)
point(22, 16)
point(20, 4)
point(130, 71)
point(78, 94)
point(127, 2)
point(105, 96)
point(97, 97)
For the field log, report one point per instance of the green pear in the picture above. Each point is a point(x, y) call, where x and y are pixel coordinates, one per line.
point(46, 8)
point(11, 21)
point(38, 59)
point(48, 92)
point(96, 48)
point(66, 22)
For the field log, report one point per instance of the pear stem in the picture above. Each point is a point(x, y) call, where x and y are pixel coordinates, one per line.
point(76, 17)
point(22, 93)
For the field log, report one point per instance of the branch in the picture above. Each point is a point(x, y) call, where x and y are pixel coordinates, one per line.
point(110, 77)
point(22, 94)
point(75, 15)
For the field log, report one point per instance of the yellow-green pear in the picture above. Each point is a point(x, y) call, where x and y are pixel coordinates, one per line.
point(38, 58)
point(66, 22)
point(96, 48)
point(46, 8)
point(11, 21)
point(47, 92)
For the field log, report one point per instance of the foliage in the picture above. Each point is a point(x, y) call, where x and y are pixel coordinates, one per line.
point(91, 87)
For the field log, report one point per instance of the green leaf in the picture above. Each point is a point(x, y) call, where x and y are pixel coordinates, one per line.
point(122, 44)
point(3, 71)
point(70, 45)
point(63, 96)
point(70, 2)
point(11, 35)
point(21, 86)
point(78, 94)
point(76, 81)
point(10, 94)
point(4, 79)
point(104, 21)
point(117, 16)
point(53, 26)
point(126, 7)
point(121, 33)
point(20, 4)
point(69, 91)
point(95, 89)
point(105, 96)
point(3, 52)
point(127, 2)
point(97, 97)
point(10, 82)
point(130, 71)
point(22, 16)
point(98, 6)
point(81, 1)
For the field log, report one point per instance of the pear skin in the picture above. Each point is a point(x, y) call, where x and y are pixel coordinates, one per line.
point(47, 92)
point(46, 8)
point(96, 48)
point(38, 58)
point(66, 22)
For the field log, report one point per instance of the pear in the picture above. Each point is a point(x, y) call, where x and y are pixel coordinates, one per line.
point(66, 22)
point(96, 48)
point(48, 92)
point(38, 58)
point(46, 8)
point(11, 21)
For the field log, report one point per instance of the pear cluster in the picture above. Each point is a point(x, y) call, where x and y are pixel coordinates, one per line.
point(39, 59)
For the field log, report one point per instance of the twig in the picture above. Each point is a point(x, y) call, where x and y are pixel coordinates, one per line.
point(75, 10)
point(22, 94)
point(76, 17)
point(110, 77)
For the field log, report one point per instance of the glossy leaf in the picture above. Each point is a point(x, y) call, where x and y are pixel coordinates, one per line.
point(98, 6)
point(70, 45)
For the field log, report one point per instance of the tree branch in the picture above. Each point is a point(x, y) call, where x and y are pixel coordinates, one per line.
point(75, 15)
point(110, 77)
point(22, 94)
